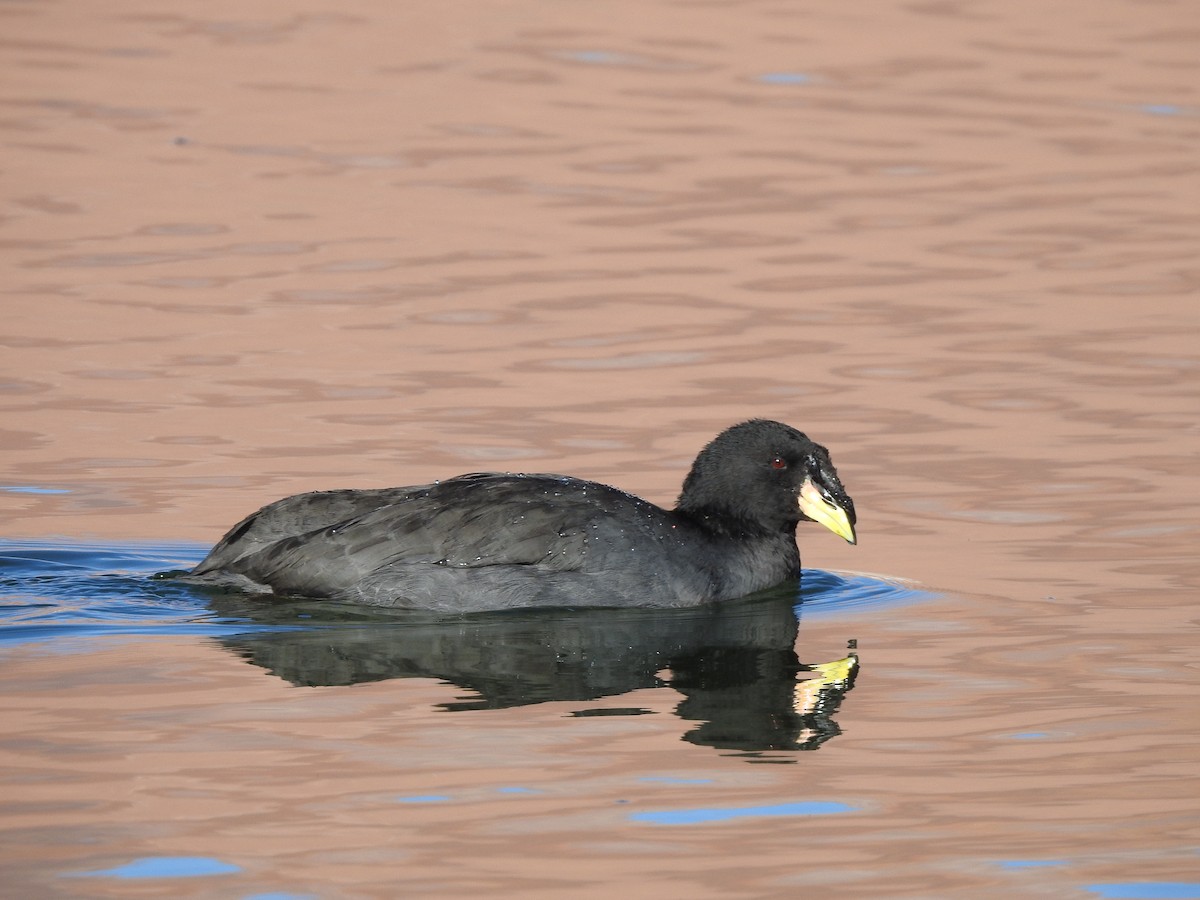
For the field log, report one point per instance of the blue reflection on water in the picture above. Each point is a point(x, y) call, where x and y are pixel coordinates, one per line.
point(700, 816)
point(166, 867)
point(1148, 890)
point(830, 593)
point(597, 57)
point(55, 590)
point(1163, 109)
point(787, 78)
point(50, 591)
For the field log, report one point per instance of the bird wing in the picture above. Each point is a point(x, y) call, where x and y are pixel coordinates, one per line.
point(546, 521)
point(295, 516)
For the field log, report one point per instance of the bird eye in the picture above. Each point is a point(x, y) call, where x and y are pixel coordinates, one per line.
point(779, 463)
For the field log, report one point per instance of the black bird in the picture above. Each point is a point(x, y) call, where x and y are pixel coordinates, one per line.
point(498, 541)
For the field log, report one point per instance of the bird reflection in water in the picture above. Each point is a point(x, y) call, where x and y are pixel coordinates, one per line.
point(734, 662)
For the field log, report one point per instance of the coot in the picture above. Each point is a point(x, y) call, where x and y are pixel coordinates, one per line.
point(495, 541)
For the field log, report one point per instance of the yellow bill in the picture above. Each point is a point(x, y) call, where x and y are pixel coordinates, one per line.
point(817, 506)
point(836, 675)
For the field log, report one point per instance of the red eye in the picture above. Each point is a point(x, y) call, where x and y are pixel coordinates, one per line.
point(779, 463)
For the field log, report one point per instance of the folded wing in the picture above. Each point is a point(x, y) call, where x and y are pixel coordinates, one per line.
point(325, 544)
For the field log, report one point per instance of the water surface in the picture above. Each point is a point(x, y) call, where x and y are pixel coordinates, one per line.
point(247, 253)
point(734, 663)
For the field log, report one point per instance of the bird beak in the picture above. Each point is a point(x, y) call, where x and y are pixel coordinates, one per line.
point(815, 505)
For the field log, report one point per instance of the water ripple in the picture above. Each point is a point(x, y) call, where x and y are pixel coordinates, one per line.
point(55, 590)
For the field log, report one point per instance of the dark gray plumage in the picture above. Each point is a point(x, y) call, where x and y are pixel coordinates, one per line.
point(496, 541)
